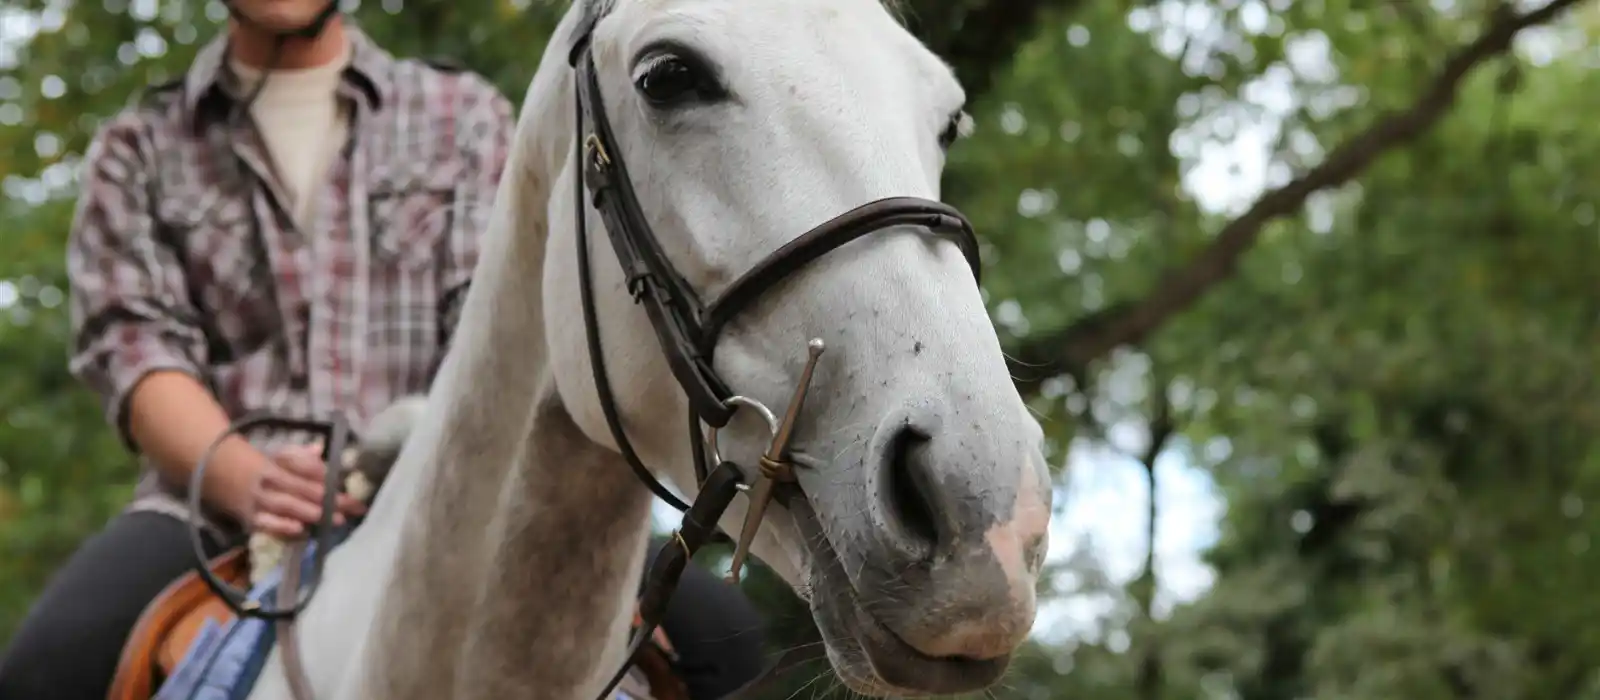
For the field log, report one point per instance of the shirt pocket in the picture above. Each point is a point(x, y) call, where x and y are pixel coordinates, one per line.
point(409, 221)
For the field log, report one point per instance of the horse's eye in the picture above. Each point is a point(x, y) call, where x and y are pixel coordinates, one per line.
point(669, 80)
point(960, 125)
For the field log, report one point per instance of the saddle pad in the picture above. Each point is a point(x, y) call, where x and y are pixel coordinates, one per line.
point(225, 659)
point(169, 625)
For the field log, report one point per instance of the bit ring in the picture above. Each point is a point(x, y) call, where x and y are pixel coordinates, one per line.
point(714, 448)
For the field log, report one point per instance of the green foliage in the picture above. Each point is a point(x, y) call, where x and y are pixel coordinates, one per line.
point(1395, 390)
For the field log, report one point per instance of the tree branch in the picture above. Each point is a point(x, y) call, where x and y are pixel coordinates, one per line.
point(1130, 322)
point(979, 39)
point(1162, 425)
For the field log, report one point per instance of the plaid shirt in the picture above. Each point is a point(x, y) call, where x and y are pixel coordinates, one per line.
point(342, 318)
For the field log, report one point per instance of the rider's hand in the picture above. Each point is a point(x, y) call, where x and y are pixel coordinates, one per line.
point(288, 493)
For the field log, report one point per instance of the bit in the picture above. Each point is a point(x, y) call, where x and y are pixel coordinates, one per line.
point(775, 464)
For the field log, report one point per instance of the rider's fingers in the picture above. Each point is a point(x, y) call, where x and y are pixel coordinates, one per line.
point(285, 505)
point(277, 526)
point(304, 461)
point(349, 505)
point(290, 506)
point(289, 482)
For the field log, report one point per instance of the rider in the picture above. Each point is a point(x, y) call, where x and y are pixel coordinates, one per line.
point(241, 245)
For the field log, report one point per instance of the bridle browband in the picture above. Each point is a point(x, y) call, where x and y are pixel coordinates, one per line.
point(687, 330)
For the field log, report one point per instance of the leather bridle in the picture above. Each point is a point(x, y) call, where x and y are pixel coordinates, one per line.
point(687, 331)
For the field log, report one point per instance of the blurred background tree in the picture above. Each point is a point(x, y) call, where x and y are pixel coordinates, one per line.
point(1340, 259)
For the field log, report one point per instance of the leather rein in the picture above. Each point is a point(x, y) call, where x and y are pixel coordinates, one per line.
point(687, 331)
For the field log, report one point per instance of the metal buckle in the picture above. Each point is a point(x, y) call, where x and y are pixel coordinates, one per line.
point(597, 151)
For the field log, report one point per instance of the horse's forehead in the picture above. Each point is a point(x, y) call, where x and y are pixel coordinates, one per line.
point(767, 18)
point(765, 26)
point(799, 43)
point(758, 10)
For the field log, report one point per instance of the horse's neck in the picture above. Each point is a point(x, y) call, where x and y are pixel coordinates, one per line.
point(569, 538)
point(516, 572)
point(438, 504)
point(516, 542)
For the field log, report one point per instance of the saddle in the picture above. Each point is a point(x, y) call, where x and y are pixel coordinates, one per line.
point(171, 624)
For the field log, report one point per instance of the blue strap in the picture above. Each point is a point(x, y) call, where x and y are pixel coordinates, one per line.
point(225, 659)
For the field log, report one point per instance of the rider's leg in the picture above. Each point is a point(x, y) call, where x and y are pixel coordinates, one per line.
point(68, 645)
point(716, 631)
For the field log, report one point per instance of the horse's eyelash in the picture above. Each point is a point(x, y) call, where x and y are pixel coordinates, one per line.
point(650, 62)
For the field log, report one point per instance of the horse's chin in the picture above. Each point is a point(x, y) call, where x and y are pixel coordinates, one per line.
point(868, 657)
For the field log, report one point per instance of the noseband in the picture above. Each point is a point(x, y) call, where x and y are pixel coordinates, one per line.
point(688, 329)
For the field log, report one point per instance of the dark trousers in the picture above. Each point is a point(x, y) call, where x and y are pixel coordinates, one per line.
point(716, 630)
point(68, 646)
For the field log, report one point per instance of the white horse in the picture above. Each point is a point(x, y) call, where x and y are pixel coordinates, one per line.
point(502, 557)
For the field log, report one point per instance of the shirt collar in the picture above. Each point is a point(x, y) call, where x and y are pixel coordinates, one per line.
point(209, 77)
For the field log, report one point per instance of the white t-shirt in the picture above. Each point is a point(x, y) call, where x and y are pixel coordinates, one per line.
point(303, 124)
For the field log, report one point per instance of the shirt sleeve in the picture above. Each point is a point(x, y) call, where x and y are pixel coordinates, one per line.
point(484, 137)
point(130, 309)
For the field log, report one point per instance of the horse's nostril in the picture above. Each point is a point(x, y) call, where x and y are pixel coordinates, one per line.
point(908, 492)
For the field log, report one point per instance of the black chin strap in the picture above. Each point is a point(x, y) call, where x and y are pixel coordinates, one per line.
point(310, 30)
